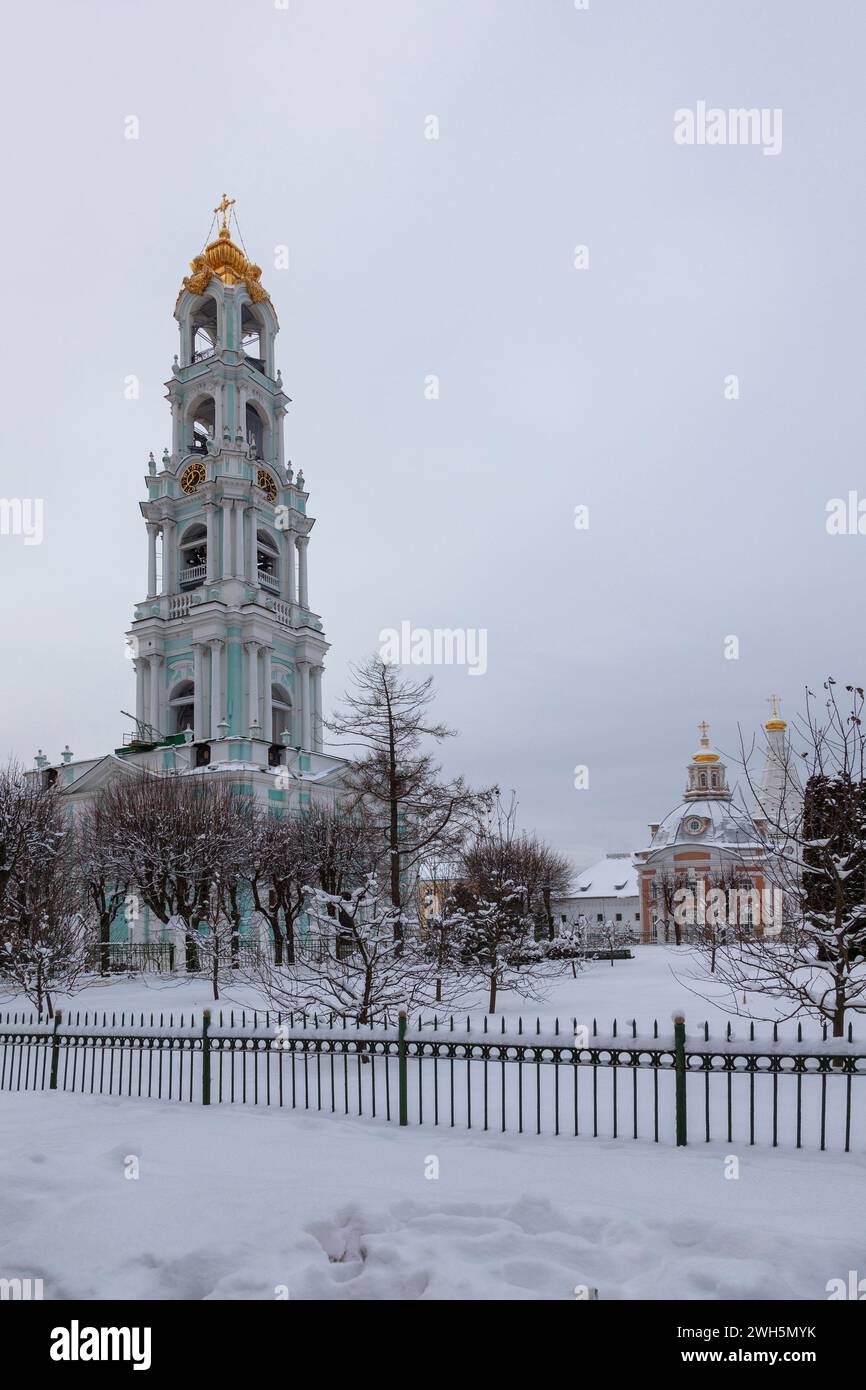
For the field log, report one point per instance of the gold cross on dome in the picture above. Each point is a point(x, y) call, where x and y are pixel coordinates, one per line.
point(704, 729)
point(223, 207)
point(774, 701)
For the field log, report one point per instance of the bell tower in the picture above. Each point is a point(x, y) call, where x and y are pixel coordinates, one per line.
point(707, 773)
point(224, 642)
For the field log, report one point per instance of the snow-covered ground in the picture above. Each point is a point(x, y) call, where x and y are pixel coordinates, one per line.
point(258, 1204)
point(246, 1202)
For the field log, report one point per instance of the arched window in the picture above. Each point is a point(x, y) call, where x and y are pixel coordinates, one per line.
point(203, 331)
point(281, 712)
point(182, 707)
point(715, 779)
point(253, 337)
point(192, 568)
point(258, 431)
point(267, 561)
point(703, 779)
point(200, 424)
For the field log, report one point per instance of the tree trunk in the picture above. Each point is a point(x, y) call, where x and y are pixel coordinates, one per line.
point(104, 941)
point(491, 1003)
point(193, 963)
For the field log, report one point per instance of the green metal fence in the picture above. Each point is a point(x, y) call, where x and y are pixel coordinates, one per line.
point(676, 1089)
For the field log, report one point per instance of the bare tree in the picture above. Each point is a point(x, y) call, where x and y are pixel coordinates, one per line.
point(499, 853)
point(493, 942)
point(42, 933)
point(396, 778)
point(361, 973)
point(104, 892)
point(174, 837)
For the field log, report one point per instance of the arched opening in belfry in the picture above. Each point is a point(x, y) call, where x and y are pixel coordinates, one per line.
point(192, 569)
point(203, 330)
point(181, 705)
point(253, 337)
point(267, 561)
point(257, 432)
point(281, 712)
point(201, 424)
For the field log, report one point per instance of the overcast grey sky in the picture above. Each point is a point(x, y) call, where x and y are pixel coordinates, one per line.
point(559, 387)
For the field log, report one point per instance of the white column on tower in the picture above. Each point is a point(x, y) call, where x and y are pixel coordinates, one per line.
point(288, 577)
point(210, 518)
point(216, 685)
point(252, 650)
point(152, 531)
point(251, 544)
point(317, 709)
point(155, 715)
point(168, 530)
point(303, 668)
point(303, 594)
point(198, 689)
point(227, 568)
point(281, 459)
point(239, 540)
point(266, 716)
point(139, 689)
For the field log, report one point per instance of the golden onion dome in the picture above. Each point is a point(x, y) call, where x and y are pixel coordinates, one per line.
point(223, 259)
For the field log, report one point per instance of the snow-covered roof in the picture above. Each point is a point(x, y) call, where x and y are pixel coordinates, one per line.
point(709, 822)
point(615, 876)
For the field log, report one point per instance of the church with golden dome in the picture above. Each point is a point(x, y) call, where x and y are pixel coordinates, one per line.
point(711, 840)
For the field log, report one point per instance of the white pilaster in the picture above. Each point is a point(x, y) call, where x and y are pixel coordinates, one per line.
point(303, 669)
point(317, 709)
point(140, 712)
point(155, 712)
point(216, 685)
point(210, 518)
point(152, 530)
point(288, 576)
point(198, 688)
point(303, 591)
point(239, 540)
point(267, 714)
point(227, 568)
point(169, 528)
point(251, 543)
point(252, 659)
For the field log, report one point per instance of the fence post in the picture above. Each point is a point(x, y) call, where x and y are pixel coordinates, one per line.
point(205, 1057)
point(401, 1068)
point(55, 1051)
point(680, 1063)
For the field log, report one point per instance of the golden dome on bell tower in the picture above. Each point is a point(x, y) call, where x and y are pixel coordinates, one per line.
point(223, 259)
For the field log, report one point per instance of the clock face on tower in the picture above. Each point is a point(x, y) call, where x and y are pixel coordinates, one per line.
point(267, 484)
point(192, 476)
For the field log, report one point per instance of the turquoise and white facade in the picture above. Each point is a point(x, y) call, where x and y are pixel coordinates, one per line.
point(227, 651)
